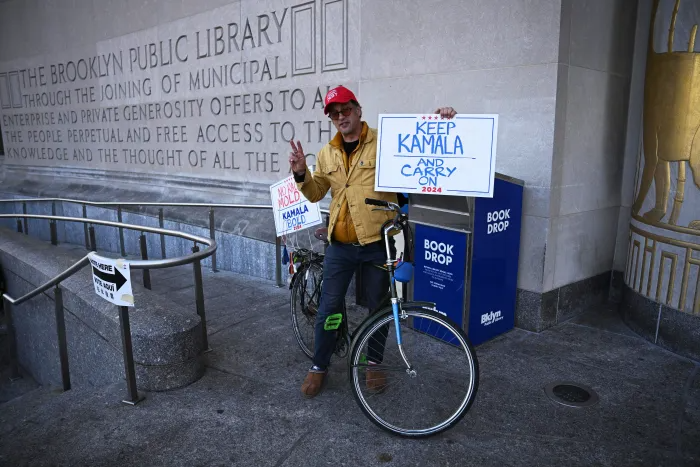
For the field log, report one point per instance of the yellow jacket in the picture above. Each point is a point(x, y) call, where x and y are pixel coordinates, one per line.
point(351, 180)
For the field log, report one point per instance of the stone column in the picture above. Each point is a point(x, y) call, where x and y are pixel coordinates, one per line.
point(661, 296)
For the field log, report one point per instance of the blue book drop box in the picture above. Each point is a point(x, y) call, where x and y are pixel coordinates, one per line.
point(469, 266)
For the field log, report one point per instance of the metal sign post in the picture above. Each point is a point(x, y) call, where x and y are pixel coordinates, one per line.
point(112, 281)
point(134, 397)
point(11, 340)
point(61, 334)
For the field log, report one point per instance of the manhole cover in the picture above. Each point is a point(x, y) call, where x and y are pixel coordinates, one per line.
point(571, 394)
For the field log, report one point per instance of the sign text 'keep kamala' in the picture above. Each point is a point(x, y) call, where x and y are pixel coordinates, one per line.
point(430, 154)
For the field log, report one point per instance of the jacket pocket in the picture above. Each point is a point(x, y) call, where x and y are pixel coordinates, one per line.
point(335, 176)
point(365, 172)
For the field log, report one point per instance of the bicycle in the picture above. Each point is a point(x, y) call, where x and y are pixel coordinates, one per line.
point(444, 343)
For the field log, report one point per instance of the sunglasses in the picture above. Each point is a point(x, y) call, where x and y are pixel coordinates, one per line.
point(335, 115)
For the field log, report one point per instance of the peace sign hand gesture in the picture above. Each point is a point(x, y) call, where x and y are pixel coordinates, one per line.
point(297, 159)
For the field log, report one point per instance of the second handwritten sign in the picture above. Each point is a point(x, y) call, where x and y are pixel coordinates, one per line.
point(292, 211)
point(420, 153)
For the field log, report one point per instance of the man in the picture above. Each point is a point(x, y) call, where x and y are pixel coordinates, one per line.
point(346, 166)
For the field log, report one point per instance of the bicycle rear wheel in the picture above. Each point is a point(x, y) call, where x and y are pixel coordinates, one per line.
point(305, 299)
point(428, 400)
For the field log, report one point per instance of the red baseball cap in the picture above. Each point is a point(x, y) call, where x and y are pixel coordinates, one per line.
point(339, 95)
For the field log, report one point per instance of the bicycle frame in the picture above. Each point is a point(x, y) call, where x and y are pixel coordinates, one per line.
point(391, 265)
point(413, 314)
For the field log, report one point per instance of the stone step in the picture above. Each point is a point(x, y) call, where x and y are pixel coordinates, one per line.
point(13, 390)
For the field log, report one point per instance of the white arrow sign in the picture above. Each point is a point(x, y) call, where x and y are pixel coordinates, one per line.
point(112, 279)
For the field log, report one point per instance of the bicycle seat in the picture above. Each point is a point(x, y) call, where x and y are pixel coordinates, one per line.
point(322, 234)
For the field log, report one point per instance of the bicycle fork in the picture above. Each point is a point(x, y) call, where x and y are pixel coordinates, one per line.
point(397, 325)
point(395, 302)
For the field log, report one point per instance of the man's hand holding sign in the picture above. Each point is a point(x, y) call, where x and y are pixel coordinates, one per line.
point(446, 112)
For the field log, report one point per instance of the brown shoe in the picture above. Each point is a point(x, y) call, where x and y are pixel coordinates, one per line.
point(314, 383)
point(375, 380)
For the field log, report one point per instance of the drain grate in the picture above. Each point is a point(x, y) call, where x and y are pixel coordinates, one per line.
point(571, 394)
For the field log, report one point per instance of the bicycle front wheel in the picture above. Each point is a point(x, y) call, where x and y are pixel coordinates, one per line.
point(431, 396)
point(305, 300)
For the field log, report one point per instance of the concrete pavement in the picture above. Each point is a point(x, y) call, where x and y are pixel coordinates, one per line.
point(248, 410)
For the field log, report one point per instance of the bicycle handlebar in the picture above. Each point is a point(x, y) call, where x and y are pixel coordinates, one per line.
point(398, 223)
point(387, 205)
point(399, 219)
point(376, 202)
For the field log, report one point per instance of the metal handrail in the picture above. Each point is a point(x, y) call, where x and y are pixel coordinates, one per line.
point(137, 203)
point(139, 264)
point(144, 264)
point(56, 280)
point(161, 219)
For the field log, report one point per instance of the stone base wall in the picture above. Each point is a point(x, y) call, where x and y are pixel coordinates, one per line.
point(663, 325)
point(539, 311)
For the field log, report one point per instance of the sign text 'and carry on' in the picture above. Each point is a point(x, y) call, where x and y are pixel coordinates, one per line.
point(428, 154)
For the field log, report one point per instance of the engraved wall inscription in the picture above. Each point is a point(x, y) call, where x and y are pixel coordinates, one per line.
point(219, 94)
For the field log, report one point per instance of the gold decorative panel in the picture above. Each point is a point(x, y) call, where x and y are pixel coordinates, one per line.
point(664, 248)
point(671, 124)
point(664, 269)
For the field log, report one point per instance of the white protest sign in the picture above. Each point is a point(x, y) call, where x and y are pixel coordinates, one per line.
point(112, 279)
point(291, 209)
point(420, 153)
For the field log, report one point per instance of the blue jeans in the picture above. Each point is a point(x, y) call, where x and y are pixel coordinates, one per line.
point(339, 265)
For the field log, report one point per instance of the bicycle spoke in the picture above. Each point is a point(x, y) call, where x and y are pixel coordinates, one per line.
point(459, 380)
point(429, 400)
point(383, 368)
